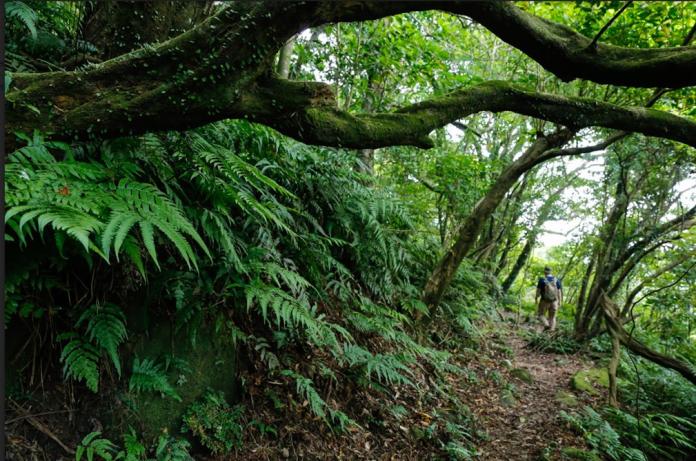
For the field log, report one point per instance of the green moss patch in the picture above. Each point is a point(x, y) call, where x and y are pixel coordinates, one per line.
point(522, 374)
point(566, 398)
point(209, 365)
point(579, 454)
point(590, 380)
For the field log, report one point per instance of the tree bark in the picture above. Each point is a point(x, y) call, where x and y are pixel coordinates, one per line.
point(568, 54)
point(613, 365)
point(605, 252)
point(469, 231)
point(610, 310)
point(521, 260)
point(220, 69)
point(116, 27)
point(283, 67)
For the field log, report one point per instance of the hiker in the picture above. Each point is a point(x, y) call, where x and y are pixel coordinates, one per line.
point(549, 295)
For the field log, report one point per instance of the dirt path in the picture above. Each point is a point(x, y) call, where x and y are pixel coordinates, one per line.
point(522, 420)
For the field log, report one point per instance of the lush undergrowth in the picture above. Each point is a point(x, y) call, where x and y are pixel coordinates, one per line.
point(278, 261)
point(215, 290)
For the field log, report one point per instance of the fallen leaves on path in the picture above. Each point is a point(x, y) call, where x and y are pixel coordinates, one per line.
point(527, 424)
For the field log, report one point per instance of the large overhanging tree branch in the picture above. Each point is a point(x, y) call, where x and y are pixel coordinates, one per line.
point(305, 111)
point(222, 69)
point(558, 48)
point(570, 55)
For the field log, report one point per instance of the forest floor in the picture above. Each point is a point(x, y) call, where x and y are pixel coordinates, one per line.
point(514, 392)
point(521, 416)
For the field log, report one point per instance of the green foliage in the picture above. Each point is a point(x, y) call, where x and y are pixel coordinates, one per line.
point(93, 447)
point(84, 201)
point(658, 435)
point(133, 449)
point(20, 11)
point(559, 342)
point(601, 436)
point(105, 331)
point(621, 436)
point(305, 389)
point(149, 376)
point(80, 361)
point(215, 423)
point(172, 449)
point(106, 327)
point(311, 268)
point(387, 368)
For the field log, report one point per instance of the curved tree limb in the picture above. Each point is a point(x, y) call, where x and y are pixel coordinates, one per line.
point(220, 69)
point(569, 54)
point(558, 48)
point(307, 111)
point(610, 309)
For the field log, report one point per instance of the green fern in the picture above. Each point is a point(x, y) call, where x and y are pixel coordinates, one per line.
point(106, 327)
point(172, 449)
point(148, 376)
point(81, 200)
point(23, 13)
point(133, 449)
point(305, 389)
point(92, 446)
point(387, 368)
point(81, 361)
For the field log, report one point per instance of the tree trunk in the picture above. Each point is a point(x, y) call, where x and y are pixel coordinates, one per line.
point(610, 309)
point(469, 231)
point(116, 27)
point(613, 365)
point(283, 67)
point(605, 251)
point(520, 262)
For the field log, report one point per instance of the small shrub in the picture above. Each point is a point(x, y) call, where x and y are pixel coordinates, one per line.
point(557, 343)
point(215, 423)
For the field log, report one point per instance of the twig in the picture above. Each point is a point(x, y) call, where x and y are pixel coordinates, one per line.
point(41, 428)
point(608, 24)
point(45, 413)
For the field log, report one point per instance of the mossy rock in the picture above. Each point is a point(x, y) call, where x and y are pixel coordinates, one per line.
point(579, 454)
point(507, 398)
point(210, 365)
point(589, 380)
point(567, 398)
point(522, 374)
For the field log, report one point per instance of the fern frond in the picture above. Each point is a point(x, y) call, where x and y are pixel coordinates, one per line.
point(92, 445)
point(23, 13)
point(81, 361)
point(148, 376)
point(106, 327)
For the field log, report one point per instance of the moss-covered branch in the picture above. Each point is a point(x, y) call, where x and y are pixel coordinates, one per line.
point(558, 48)
point(307, 111)
point(570, 55)
point(324, 124)
point(613, 321)
point(221, 69)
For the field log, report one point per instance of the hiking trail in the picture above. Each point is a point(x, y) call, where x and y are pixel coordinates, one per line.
point(519, 409)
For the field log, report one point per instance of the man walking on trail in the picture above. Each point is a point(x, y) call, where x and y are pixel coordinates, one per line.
point(549, 295)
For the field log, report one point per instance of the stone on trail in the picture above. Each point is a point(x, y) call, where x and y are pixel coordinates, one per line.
point(589, 380)
point(566, 398)
point(522, 374)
